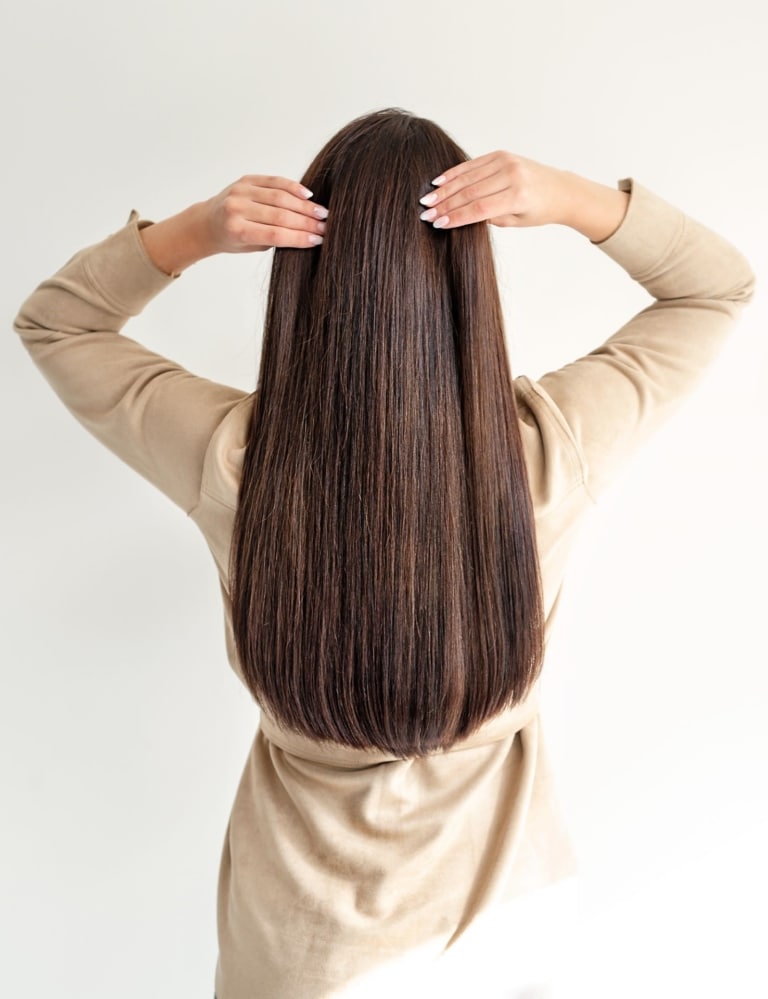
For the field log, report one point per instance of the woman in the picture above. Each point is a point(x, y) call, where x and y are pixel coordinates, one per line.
point(390, 515)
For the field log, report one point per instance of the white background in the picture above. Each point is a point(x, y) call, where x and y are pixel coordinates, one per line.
point(123, 729)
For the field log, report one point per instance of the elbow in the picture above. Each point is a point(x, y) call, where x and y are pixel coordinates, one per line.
point(27, 329)
point(744, 290)
point(22, 326)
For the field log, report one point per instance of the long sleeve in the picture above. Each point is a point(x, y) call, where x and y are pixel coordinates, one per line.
point(151, 412)
point(615, 397)
point(159, 418)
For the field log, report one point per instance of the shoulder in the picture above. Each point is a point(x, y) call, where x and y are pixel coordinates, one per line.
point(222, 468)
point(553, 458)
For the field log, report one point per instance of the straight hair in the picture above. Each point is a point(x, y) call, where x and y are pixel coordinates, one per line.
point(384, 574)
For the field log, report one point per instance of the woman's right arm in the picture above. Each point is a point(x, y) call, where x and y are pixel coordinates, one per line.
point(151, 412)
point(255, 213)
point(615, 397)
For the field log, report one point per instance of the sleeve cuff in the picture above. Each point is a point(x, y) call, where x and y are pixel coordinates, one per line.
point(122, 270)
point(649, 230)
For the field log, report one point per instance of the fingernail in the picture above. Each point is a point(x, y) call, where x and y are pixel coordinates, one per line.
point(428, 215)
point(306, 191)
point(321, 226)
point(439, 223)
point(439, 180)
point(315, 240)
point(428, 199)
point(320, 213)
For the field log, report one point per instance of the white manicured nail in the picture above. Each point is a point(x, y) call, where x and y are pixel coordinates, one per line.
point(428, 199)
point(428, 215)
point(320, 213)
point(439, 180)
point(315, 240)
point(439, 223)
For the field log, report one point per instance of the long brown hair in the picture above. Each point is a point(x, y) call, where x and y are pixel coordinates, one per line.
point(385, 581)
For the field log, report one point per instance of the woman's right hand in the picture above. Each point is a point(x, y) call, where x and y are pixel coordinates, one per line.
point(255, 213)
point(510, 190)
point(259, 212)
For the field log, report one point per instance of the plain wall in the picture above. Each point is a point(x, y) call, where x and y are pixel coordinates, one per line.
point(123, 729)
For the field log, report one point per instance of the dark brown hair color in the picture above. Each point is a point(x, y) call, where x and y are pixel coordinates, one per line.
point(385, 581)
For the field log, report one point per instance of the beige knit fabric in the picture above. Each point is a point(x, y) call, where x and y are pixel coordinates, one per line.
point(336, 861)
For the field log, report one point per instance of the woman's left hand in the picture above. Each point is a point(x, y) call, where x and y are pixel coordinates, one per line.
point(502, 188)
point(506, 189)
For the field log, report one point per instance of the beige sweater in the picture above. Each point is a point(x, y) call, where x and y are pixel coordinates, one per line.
point(338, 860)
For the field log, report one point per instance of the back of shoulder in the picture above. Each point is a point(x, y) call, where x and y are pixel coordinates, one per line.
point(553, 459)
point(223, 465)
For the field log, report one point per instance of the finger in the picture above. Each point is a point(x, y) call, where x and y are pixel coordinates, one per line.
point(466, 166)
point(479, 195)
point(279, 184)
point(284, 218)
point(490, 207)
point(468, 181)
point(282, 198)
point(463, 167)
point(256, 234)
point(285, 193)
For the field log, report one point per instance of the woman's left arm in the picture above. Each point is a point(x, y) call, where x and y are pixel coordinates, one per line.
point(614, 398)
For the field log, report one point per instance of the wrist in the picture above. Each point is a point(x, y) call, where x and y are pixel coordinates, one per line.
point(595, 210)
point(179, 241)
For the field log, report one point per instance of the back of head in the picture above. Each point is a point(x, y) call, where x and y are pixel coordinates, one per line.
point(385, 584)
